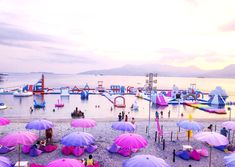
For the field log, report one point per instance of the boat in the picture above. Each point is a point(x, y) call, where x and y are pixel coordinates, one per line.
point(39, 105)
point(20, 93)
point(2, 106)
point(59, 104)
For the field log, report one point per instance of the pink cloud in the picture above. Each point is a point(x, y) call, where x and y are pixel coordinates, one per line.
point(228, 27)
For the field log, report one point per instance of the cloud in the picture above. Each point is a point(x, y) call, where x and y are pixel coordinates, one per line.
point(228, 27)
point(174, 55)
point(71, 58)
point(12, 36)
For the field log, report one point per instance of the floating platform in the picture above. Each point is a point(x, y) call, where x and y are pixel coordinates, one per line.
point(206, 108)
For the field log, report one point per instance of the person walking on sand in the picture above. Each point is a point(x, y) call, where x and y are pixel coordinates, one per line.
point(157, 115)
point(161, 114)
point(169, 113)
point(224, 131)
point(126, 118)
point(119, 117)
point(123, 114)
point(133, 120)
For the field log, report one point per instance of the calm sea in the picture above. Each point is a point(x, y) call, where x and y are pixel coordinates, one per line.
point(19, 107)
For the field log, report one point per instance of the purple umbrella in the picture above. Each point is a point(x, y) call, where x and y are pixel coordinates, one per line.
point(66, 162)
point(18, 138)
point(5, 162)
point(39, 124)
point(130, 141)
point(4, 121)
point(145, 160)
point(78, 139)
point(123, 126)
point(213, 139)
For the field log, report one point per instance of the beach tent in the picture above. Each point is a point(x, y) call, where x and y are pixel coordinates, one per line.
point(216, 100)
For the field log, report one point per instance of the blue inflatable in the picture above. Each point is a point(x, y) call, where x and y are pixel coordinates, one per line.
point(84, 95)
point(39, 105)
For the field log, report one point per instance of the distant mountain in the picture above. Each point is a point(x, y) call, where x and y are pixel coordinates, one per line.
point(166, 70)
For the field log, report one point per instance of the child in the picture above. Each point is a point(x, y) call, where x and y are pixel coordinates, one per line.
point(89, 161)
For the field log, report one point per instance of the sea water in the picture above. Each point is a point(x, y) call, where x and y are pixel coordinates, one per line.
point(98, 106)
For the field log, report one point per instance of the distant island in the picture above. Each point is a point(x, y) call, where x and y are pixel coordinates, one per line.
point(165, 71)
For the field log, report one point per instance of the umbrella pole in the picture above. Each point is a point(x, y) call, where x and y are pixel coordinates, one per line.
point(188, 132)
point(19, 156)
point(210, 156)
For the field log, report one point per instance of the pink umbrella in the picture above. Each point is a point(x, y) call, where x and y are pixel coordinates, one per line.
point(83, 123)
point(4, 121)
point(18, 138)
point(213, 139)
point(130, 141)
point(66, 162)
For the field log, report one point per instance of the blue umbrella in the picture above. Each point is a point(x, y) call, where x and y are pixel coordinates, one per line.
point(145, 160)
point(230, 160)
point(78, 139)
point(190, 125)
point(5, 162)
point(123, 126)
point(39, 124)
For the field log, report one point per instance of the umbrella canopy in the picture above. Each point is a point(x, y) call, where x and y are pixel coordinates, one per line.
point(131, 141)
point(66, 162)
point(230, 160)
point(123, 126)
point(145, 160)
point(16, 138)
point(212, 138)
point(229, 125)
point(78, 139)
point(190, 125)
point(83, 123)
point(4, 121)
point(5, 162)
point(39, 124)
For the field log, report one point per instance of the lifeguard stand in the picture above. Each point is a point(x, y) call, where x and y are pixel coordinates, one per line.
point(100, 86)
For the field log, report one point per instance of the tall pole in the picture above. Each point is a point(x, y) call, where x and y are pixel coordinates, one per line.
point(150, 87)
point(229, 109)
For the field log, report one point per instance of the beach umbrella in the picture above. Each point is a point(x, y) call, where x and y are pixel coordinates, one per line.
point(66, 162)
point(123, 126)
point(131, 141)
point(213, 139)
point(83, 123)
point(5, 162)
point(230, 160)
point(18, 138)
point(229, 125)
point(190, 125)
point(78, 139)
point(39, 125)
point(145, 160)
point(4, 121)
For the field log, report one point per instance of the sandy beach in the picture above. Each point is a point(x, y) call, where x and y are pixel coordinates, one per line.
point(105, 136)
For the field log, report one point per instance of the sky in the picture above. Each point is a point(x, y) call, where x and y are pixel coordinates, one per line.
point(71, 36)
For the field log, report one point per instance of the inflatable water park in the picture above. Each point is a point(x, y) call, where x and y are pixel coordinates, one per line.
point(212, 102)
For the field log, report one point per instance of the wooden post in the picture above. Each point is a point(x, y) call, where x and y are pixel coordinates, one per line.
point(163, 144)
point(215, 128)
point(146, 129)
point(177, 137)
point(155, 136)
point(171, 135)
point(179, 129)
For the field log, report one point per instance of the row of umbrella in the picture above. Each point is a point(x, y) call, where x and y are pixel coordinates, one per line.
point(128, 140)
